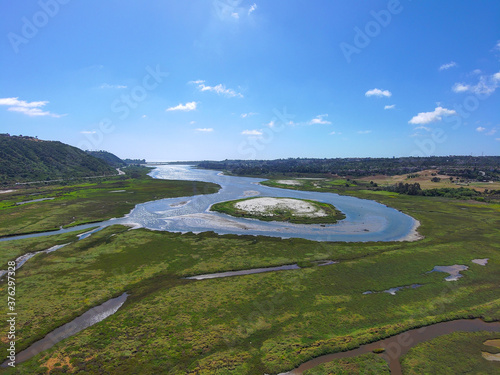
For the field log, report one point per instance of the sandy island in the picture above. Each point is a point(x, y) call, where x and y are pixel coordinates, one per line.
point(266, 206)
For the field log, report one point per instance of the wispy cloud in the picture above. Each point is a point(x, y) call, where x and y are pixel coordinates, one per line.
point(108, 86)
point(392, 106)
point(492, 132)
point(235, 15)
point(364, 131)
point(271, 124)
point(88, 132)
point(319, 120)
point(191, 106)
point(480, 129)
point(252, 9)
point(28, 108)
point(378, 93)
point(460, 87)
point(218, 89)
point(428, 117)
point(252, 132)
point(335, 133)
point(448, 66)
point(204, 130)
point(245, 115)
point(422, 127)
point(486, 85)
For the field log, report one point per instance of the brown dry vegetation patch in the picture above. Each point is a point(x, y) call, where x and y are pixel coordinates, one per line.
point(424, 179)
point(58, 362)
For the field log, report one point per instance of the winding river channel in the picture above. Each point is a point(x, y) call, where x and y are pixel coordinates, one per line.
point(365, 220)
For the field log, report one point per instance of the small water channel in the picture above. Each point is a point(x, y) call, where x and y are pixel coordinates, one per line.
point(21, 260)
point(255, 270)
point(398, 345)
point(87, 319)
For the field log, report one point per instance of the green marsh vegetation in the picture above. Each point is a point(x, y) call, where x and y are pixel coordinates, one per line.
point(265, 323)
point(87, 201)
point(456, 353)
point(368, 364)
point(282, 213)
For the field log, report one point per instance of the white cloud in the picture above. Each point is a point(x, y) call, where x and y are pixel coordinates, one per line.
point(319, 120)
point(448, 66)
point(108, 86)
point(480, 129)
point(244, 115)
point(485, 86)
point(271, 124)
point(497, 139)
point(252, 8)
point(204, 130)
point(15, 102)
point(364, 131)
point(88, 132)
point(378, 93)
point(460, 87)
point(193, 122)
point(335, 133)
point(421, 127)
point(28, 108)
point(235, 15)
point(191, 106)
point(392, 106)
point(497, 46)
point(218, 89)
point(144, 116)
point(427, 117)
point(251, 132)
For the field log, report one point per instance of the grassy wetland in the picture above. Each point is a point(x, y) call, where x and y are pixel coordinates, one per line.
point(255, 324)
point(86, 202)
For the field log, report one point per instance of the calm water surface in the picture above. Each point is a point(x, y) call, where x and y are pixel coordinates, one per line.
point(365, 220)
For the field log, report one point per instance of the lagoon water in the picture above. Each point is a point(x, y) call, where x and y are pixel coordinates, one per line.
point(365, 220)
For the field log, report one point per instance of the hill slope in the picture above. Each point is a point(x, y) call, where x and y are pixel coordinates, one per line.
point(108, 157)
point(31, 159)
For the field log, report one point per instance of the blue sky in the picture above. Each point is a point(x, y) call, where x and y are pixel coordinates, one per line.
point(238, 79)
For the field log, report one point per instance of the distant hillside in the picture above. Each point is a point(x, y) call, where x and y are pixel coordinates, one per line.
point(108, 157)
point(135, 161)
point(30, 159)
